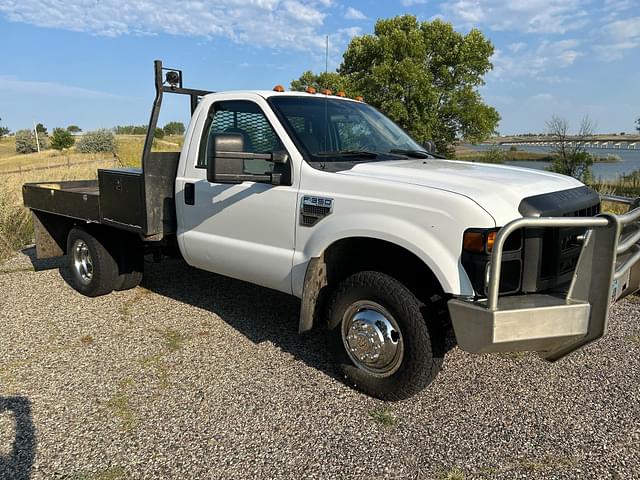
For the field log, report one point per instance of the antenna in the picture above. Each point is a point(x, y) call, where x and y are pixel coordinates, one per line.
point(326, 57)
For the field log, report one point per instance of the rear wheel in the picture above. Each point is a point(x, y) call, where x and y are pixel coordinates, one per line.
point(93, 268)
point(383, 343)
point(130, 264)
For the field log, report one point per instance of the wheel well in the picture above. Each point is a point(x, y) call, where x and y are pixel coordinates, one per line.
point(350, 255)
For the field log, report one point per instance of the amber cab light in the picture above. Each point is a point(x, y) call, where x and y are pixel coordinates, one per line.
point(359, 98)
point(310, 90)
point(278, 88)
point(326, 91)
point(341, 94)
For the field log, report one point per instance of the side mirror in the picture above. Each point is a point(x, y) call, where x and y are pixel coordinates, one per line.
point(226, 162)
point(220, 156)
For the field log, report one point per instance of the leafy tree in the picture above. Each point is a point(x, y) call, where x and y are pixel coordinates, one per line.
point(97, 141)
point(638, 123)
point(571, 158)
point(174, 128)
point(40, 128)
point(424, 76)
point(74, 129)
point(331, 80)
point(158, 133)
point(130, 129)
point(61, 139)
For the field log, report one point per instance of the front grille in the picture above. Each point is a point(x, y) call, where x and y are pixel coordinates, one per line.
point(551, 254)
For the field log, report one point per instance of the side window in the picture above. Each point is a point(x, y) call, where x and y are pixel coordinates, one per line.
point(247, 119)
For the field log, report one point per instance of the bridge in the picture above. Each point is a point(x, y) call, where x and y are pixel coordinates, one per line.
point(619, 142)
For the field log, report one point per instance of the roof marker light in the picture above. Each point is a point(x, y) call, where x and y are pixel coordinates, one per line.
point(310, 90)
point(326, 91)
point(278, 88)
point(359, 98)
point(341, 94)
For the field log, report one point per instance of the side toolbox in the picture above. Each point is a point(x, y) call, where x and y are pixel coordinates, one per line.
point(122, 202)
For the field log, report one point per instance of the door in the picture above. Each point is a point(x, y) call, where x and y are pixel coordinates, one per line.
point(243, 230)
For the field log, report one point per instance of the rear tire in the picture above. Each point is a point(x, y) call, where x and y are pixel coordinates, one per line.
point(382, 340)
point(93, 268)
point(130, 264)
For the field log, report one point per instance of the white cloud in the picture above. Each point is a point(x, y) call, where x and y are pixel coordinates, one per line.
point(538, 61)
point(292, 24)
point(353, 14)
point(617, 38)
point(531, 16)
point(517, 46)
point(9, 83)
point(545, 97)
point(410, 3)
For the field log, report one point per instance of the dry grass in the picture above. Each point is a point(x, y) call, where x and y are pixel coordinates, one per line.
point(130, 147)
point(7, 147)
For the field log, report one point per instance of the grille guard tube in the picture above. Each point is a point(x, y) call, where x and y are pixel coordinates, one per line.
point(608, 269)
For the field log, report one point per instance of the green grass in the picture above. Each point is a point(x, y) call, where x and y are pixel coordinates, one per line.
point(173, 340)
point(384, 416)
point(451, 474)
point(113, 473)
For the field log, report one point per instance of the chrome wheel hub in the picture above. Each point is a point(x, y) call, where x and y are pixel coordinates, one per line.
point(372, 338)
point(82, 261)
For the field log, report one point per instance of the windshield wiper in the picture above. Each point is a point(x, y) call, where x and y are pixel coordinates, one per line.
point(411, 153)
point(348, 153)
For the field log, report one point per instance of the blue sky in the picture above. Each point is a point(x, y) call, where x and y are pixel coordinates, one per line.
point(89, 62)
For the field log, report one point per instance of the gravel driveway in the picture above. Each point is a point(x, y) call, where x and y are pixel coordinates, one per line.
point(195, 375)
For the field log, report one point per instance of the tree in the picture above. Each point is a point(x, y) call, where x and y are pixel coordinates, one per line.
point(571, 158)
point(74, 129)
point(329, 80)
point(61, 139)
point(3, 131)
point(638, 123)
point(174, 128)
point(158, 133)
point(424, 76)
point(40, 128)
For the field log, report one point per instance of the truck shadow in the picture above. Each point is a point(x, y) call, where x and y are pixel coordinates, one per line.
point(18, 463)
point(260, 314)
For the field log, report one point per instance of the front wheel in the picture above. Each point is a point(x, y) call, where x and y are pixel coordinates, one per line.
point(384, 346)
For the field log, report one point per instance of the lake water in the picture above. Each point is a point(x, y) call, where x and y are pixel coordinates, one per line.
point(629, 160)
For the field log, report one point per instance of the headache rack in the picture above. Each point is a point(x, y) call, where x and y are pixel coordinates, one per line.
point(554, 324)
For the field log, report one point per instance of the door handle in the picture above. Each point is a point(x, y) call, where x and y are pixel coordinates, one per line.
point(189, 193)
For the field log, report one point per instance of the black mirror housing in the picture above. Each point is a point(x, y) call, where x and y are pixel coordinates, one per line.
point(227, 143)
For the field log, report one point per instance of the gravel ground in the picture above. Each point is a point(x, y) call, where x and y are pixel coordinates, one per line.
point(195, 375)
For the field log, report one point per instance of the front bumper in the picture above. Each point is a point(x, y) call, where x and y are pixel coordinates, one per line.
point(555, 325)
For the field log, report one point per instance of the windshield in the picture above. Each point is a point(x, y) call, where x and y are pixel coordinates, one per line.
point(334, 130)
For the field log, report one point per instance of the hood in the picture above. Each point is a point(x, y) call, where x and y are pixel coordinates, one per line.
point(498, 189)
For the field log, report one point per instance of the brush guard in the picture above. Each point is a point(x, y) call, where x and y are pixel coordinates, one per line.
point(554, 325)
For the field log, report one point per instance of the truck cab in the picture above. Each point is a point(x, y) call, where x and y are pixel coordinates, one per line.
point(324, 198)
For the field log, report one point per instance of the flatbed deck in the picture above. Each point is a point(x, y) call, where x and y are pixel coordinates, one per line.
point(79, 199)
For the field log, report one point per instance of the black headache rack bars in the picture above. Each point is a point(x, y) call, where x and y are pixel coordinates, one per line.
point(139, 200)
point(171, 83)
point(555, 325)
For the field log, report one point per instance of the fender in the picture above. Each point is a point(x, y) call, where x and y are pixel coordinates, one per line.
point(309, 272)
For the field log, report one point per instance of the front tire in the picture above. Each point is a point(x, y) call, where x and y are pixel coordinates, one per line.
point(93, 268)
point(383, 342)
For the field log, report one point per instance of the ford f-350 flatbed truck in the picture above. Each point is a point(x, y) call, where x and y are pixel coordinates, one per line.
point(323, 197)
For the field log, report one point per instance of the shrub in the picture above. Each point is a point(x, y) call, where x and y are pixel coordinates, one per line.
point(513, 148)
point(174, 128)
point(97, 141)
point(61, 139)
point(26, 141)
point(494, 155)
point(74, 129)
point(158, 133)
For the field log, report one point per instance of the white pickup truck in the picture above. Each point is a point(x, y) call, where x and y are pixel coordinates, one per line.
point(326, 199)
